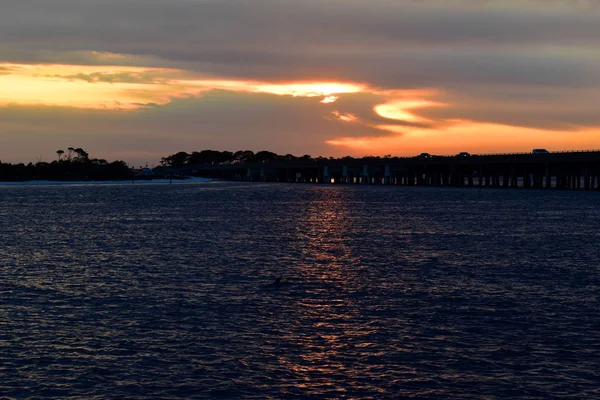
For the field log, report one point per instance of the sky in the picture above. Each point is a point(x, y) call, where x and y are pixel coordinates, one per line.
point(138, 80)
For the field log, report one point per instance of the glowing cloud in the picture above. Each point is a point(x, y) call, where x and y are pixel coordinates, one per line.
point(98, 87)
point(130, 88)
point(316, 89)
point(345, 117)
point(401, 110)
point(329, 99)
point(109, 56)
point(295, 89)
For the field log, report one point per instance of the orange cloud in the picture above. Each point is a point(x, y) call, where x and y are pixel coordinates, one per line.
point(401, 110)
point(329, 90)
point(130, 88)
point(84, 86)
point(345, 117)
point(329, 99)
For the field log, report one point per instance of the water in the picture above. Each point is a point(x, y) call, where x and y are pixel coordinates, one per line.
point(163, 291)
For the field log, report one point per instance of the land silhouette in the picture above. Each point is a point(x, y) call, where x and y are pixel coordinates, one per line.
point(536, 169)
point(71, 165)
point(75, 164)
point(215, 157)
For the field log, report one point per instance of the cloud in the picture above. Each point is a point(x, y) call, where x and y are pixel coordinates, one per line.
point(121, 77)
point(231, 24)
point(401, 110)
point(126, 88)
point(329, 99)
point(5, 70)
point(548, 108)
point(347, 117)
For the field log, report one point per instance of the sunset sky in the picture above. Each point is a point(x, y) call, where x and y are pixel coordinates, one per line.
point(138, 80)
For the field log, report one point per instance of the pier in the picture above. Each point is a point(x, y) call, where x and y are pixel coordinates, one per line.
point(554, 170)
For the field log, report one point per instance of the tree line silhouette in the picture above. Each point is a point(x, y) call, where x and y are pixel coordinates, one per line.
point(72, 165)
point(214, 157)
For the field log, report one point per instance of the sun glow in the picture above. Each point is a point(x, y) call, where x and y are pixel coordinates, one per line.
point(316, 89)
point(328, 90)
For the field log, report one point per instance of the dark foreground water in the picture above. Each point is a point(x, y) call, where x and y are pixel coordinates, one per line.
point(163, 291)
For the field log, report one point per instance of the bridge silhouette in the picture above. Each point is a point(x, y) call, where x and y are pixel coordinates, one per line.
point(551, 170)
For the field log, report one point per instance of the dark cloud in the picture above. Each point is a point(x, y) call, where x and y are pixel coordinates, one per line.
point(121, 77)
point(309, 23)
point(544, 108)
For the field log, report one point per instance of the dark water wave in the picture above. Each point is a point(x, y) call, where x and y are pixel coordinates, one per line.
point(164, 292)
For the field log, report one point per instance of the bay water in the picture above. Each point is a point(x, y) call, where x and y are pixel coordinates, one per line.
point(166, 291)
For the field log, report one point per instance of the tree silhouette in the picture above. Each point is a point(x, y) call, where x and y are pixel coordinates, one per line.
point(176, 160)
point(60, 153)
point(243, 156)
point(82, 155)
point(265, 156)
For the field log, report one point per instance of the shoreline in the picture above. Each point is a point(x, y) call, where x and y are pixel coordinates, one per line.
point(96, 183)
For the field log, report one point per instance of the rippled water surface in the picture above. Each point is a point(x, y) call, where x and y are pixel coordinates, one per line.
point(163, 291)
